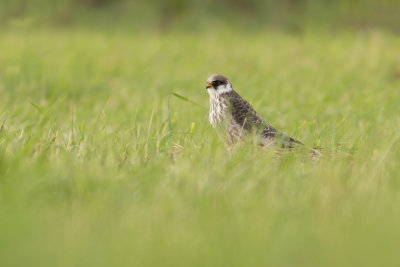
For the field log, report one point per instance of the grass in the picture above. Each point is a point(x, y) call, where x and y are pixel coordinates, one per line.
point(102, 165)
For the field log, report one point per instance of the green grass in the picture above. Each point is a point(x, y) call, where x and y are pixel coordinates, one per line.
point(101, 165)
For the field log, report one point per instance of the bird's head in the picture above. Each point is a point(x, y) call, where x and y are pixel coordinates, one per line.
point(218, 84)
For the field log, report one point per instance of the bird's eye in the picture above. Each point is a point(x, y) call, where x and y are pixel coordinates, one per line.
point(216, 83)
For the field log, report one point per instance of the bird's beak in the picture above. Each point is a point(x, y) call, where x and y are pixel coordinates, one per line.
point(209, 85)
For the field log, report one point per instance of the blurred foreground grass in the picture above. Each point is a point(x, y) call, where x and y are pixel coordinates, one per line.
point(100, 166)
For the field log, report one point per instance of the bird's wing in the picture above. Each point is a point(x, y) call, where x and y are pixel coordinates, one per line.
point(246, 116)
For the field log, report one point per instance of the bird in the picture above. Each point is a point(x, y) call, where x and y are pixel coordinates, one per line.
point(234, 117)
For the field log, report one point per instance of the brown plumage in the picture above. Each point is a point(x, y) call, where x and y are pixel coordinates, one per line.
point(233, 115)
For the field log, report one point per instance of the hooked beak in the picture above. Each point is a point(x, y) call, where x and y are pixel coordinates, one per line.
point(209, 85)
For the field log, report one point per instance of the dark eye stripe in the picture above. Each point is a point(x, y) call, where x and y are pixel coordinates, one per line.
point(216, 83)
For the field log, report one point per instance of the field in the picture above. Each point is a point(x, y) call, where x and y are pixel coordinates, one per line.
point(102, 165)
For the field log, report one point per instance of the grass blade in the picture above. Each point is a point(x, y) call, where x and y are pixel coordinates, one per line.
point(181, 97)
point(2, 126)
point(42, 112)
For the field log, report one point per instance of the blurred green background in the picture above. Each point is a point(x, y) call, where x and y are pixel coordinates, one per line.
point(100, 165)
point(292, 15)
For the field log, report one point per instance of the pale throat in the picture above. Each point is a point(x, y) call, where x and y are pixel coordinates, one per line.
point(220, 90)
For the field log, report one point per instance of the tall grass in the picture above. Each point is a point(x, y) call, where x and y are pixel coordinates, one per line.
point(100, 166)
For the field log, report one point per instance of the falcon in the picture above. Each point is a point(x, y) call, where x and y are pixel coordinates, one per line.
point(234, 117)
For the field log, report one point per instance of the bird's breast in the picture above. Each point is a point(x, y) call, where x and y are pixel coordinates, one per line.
point(218, 110)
